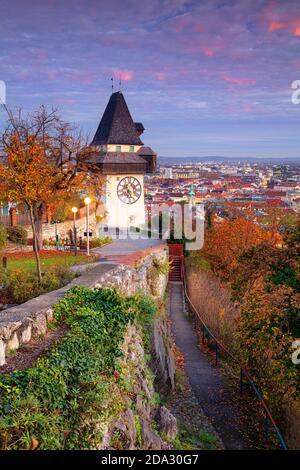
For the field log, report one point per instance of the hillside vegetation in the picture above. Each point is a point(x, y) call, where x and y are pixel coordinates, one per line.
point(245, 283)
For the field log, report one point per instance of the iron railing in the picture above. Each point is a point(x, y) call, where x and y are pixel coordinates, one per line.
point(269, 421)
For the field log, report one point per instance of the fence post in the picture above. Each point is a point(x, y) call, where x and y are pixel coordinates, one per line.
point(203, 335)
point(217, 353)
point(267, 426)
point(13, 216)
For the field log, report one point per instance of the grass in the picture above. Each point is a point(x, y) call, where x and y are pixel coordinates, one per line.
point(27, 261)
point(193, 439)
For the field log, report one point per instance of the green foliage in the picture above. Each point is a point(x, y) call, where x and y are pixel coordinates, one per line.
point(138, 431)
point(63, 210)
point(266, 344)
point(161, 267)
point(3, 237)
point(100, 241)
point(55, 400)
point(265, 279)
point(146, 306)
point(17, 234)
point(22, 285)
point(195, 260)
point(191, 439)
point(147, 310)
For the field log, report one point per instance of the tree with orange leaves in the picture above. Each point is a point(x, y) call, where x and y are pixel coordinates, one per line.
point(65, 153)
point(226, 242)
point(27, 177)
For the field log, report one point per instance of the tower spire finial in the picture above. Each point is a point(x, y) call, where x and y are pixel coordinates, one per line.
point(120, 84)
point(112, 84)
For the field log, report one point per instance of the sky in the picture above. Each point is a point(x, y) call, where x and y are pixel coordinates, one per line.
point(206, 77)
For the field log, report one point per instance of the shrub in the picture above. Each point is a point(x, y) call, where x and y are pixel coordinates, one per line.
point(97, 242)
point(266, 344)
point(59, 273)
point(23, 285)
point(161, 267)
point(17, 234)
point(3, 237)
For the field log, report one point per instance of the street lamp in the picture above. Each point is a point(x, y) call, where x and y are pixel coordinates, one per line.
point(87, 201)
point(75, 210)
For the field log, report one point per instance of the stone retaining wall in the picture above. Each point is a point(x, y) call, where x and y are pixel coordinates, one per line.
point(63, 228)
point(18, 325)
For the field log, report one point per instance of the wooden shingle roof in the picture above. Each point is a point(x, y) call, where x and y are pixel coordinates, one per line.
point(116, 125)
point(118, 162)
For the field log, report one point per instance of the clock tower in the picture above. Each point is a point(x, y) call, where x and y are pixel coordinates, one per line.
point(119, 155)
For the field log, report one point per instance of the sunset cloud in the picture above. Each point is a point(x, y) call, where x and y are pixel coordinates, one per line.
point(208, 51)
point(187, 63)
point(123, 75)
point(161, 76)
point(276, 25)
point(239, 81)
point(297, 31)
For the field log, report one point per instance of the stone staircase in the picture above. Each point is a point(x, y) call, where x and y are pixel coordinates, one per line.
point(175, 273)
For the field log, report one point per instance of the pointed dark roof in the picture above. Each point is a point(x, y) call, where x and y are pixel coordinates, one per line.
point(116, 125)
point(139, 127)
point(146, 151)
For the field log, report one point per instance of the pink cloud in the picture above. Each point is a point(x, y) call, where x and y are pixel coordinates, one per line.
point(124, 75)
point(160, 76)
point(276, 25)
point(275, 19)
point(292, 25)
point(188, 23)
point(239, 81)
point(51, 75)
point(83, 78)
point(297, 30)
point(69, 101)
point(208, 51)
point(40, 55)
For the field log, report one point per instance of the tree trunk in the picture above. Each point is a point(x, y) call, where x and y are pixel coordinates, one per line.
point(38, 221)
point(35, 244)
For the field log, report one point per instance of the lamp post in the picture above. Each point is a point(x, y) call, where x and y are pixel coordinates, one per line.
point(75, 210)
point(87, 201)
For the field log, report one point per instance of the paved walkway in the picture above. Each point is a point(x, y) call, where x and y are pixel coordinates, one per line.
point(119, 251)
point(124, 250)
point(207, 382)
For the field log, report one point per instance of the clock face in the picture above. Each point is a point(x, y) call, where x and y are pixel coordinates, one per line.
point(129, 190)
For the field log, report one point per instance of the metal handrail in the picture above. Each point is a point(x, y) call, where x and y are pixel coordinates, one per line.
point(243, 371)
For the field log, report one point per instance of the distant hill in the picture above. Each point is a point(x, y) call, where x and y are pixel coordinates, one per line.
point(220, 159)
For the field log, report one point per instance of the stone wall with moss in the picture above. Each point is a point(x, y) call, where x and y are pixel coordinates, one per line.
point(98, 387)
point(19, 325)
point(142, 420)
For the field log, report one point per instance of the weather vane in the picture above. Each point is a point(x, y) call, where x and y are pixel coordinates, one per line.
point(112, 84)
point(120, 84)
